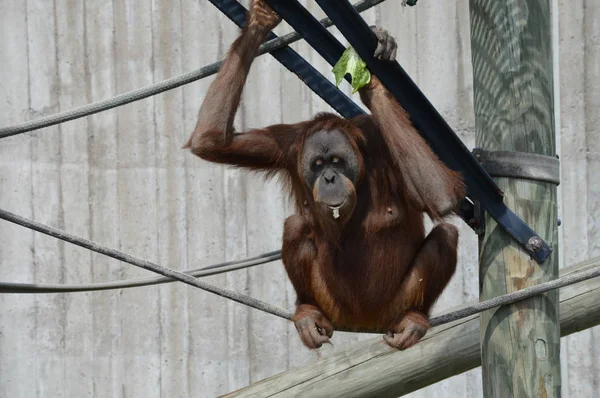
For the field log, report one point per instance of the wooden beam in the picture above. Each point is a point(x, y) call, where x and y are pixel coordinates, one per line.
point(511, 45)
point(372, 369)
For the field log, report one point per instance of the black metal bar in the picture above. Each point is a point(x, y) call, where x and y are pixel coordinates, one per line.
point(440, 136)
point(424, 116)
point(297, 65)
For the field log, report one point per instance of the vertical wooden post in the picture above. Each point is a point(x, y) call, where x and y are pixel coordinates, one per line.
point(513, 95)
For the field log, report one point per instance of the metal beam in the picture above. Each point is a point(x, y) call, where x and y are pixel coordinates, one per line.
point(440, 136)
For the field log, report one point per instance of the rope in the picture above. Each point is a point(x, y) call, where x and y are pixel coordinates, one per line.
point(188, 279)
point(215, 269)
point(170, 273)
point(157, 88)
point(519, 295)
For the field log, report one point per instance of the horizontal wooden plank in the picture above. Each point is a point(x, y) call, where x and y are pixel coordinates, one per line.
point(371, 368)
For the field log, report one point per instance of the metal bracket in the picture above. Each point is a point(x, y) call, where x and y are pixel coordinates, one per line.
point(479, 218)
point(473, 214)
point(530, 166)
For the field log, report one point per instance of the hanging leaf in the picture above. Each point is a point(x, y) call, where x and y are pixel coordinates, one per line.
point(351, 63)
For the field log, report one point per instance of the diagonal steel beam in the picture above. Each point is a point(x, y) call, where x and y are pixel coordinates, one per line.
point(440, 136)
point(297, 65)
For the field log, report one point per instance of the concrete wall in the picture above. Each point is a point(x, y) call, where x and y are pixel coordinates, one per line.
point(120, 178)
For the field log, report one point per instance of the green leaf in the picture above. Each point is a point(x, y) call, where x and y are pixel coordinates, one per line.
point(351, 63)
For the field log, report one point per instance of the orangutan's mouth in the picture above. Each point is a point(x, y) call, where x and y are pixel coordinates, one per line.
point(336, 209)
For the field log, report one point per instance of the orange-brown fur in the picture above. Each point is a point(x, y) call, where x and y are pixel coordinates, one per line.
point(374, 269)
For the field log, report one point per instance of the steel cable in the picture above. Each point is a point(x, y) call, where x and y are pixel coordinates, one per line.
point(280, 312)
point(11, 287)
point(156, 88)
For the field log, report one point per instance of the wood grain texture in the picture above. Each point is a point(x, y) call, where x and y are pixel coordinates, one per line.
point(514, 110)
point(372, 369)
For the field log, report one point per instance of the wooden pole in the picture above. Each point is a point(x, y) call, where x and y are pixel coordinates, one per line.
point(511, 45)
point(373, 369)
